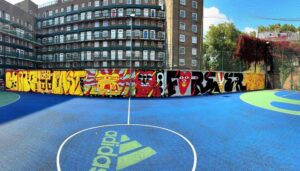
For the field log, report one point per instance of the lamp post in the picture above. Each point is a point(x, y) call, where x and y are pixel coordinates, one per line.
point(266, 63)
point(131, 54)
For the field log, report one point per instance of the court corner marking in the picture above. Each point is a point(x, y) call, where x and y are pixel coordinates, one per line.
point(19, 97)
point(141, 125)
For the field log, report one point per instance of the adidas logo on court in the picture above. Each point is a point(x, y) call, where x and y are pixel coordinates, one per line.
point(124, 153)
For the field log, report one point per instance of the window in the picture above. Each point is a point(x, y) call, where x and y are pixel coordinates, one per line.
point(97, 4)
point(105, 34)
point(62, 20)
point(128, 43)
point(75, 7)
point(113, 34)
point(61, 38)
point(120, 12)
point(137, 54)
point(120, 54)
point(82, 36)
point(137, 1)
point(152, 55)
point(69, 18)
point(145, 34)
point(153, 13)
point(182, 26)
point(113, 13)
point(182, 2)
point(89, 15)
point(194, 51)
point(146, 12)
point(194, 16)
point(128, 54)
point(152, 34)
point(75, 36)
point(97, 14)
point(104, 54)
point(145, 54)
point(61, 57)
point(182, 13)
point(96, 44)
point(194, 62)
point(75, 17)
point(82, 16)
point(182, 50)
point(182, 38)
point(88, 55)
point(69, 9)
point(194, 28)
point(194, 40)
point(181, 62)
point(120, 33)
point(194, 4)
point(113, 54)
point(97, 24)
point(105, 2)
point(89, 35)
point(75, 27)
point(97, 34)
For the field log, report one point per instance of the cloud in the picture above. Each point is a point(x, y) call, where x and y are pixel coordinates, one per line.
point(249, 30)
point(213, 16)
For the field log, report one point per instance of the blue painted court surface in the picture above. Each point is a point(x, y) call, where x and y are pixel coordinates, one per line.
point(222, 132)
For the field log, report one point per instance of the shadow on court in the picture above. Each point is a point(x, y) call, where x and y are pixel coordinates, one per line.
point(29, 104)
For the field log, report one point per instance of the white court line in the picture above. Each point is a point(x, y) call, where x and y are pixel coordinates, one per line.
point(290, 94)
point(19, 97)
point(141, 125)
point(128, 113)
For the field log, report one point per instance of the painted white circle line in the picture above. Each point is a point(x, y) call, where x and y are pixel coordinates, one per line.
point(19, 97)
point(112, 125)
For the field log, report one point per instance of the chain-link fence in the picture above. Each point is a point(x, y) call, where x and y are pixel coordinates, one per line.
point(283, 71)
point(286, 70)
point(223, 61)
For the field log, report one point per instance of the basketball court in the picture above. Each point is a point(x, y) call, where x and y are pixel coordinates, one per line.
point(241, 131)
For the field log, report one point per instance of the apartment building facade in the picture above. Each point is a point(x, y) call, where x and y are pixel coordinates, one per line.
point(78, 34)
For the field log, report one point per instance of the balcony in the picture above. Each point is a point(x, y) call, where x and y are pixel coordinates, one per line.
point(18, 56)
point(20, 36)
point(92, 9)
point(141, 48)
point(106, 28)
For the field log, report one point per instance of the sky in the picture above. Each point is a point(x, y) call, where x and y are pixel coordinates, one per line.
point(247, 15)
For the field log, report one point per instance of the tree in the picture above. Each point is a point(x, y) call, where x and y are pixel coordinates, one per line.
point(220, 42)
point(278, 27)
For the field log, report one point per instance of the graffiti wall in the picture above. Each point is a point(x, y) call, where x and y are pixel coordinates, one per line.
point(187, 83)
point(143, 83)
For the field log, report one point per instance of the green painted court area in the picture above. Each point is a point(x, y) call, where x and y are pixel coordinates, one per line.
point(257, 130)
point(7, 98)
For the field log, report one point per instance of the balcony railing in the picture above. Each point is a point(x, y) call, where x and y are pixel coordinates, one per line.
point(141, 48)
point(106, 28)
point(13, 33)
point(48, 25)
point(125, 6)
point(18, 56)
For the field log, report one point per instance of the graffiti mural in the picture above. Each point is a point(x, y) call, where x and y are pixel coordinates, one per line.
point(254, 81)
point(143, 83)
point(107, 82)
point(178, 83)
point(149, 83)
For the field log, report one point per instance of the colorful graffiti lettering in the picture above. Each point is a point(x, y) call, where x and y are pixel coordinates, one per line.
point(144, 83)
